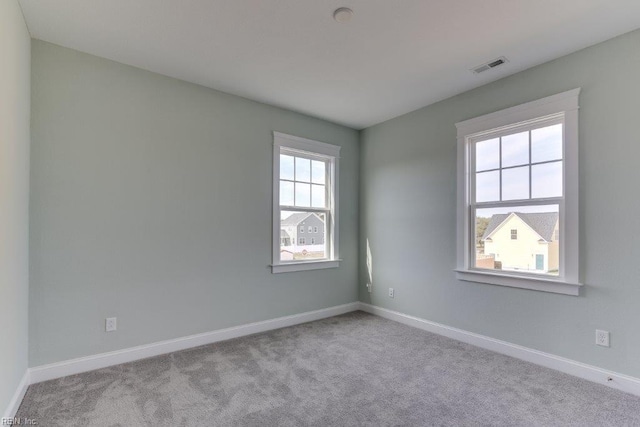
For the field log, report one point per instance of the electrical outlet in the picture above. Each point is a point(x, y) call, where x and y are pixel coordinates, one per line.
point(110, 324)
point(391, 292)
point(602, 338)
point(369, 287)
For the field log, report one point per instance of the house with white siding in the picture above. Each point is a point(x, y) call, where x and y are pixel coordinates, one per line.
point(524, 241)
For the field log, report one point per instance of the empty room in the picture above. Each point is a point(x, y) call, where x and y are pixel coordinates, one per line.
point(319, 213)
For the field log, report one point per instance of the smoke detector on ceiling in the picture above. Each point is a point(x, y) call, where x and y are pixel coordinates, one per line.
point(343, 15)
point(490, 65)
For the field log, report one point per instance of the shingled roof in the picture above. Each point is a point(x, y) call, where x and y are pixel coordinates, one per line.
point(296, 218)
point(542, 223)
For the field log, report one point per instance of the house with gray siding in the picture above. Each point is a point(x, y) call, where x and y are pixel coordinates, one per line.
point(303, 228)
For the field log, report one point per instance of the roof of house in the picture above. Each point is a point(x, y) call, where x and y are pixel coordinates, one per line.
point(542, 223)
point(296, 218)
point(284, 234)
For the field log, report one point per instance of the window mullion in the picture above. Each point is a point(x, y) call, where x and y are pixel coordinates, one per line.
point(294, 180)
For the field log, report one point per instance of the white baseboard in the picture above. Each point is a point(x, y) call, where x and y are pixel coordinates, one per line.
point(103, 360)
point(16, 400)
point(83, 364)
point(582, 370)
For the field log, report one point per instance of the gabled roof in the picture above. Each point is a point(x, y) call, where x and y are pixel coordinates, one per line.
point(284, 234)
point(297, 218)
point(542, 223)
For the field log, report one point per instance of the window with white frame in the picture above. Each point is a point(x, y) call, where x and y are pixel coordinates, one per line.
point(518, 196)
point(305, 194)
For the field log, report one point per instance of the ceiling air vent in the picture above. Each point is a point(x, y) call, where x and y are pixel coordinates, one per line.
point(489, 65)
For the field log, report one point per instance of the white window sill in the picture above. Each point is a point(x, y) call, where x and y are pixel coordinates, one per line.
point(304, 265)
point(544, 284)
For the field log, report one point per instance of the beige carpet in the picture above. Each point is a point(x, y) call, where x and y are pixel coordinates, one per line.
point(354, 369)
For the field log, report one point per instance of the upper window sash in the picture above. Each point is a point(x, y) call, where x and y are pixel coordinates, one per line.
point(329, 162)
point(529, 127)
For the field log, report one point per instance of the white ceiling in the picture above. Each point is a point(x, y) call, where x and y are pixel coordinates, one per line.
point(392, 58)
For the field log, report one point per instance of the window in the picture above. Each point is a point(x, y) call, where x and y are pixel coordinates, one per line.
point(315, 229)
point(305, 190)
point(517, 187)
point(313, 241)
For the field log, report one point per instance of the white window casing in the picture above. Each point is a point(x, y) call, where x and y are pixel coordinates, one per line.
point(307, 148)
point(562, 107)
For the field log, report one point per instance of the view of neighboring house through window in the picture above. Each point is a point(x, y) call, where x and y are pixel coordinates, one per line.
point(304, 202)
point(518, 196)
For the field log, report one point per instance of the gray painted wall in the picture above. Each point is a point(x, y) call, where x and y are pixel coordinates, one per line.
point(15, 57)
point(151, 201)
point(408, 206)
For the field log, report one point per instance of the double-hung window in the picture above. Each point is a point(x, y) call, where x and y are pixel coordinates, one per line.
point(518, 196)
point(305, 195)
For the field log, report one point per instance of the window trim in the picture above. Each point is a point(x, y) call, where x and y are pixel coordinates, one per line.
point(313, 148)
point(565, 103)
